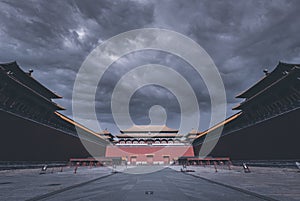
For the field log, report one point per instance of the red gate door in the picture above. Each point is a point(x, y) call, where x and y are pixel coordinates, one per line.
point(133, 160)
point(149, 159)
point(166, 160)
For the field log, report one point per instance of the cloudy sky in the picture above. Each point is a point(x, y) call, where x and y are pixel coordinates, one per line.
point(242, 38)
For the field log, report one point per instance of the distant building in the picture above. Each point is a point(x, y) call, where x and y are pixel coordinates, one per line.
point(106, 135)
point(151, 144)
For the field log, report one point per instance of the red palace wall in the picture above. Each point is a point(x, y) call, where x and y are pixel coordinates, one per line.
point(149, 154)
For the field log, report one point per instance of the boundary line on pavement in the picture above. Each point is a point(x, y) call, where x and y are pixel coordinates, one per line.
point(41, 197)
point(234, 188)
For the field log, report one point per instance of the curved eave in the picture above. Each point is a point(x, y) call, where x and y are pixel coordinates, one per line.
point(148, 136)
point(237, 107)
point(13, 66)
point(149, 128)
point(219, 124)
point(293, 72)
point(53, 95)
point(78, 125)
point(272, 77)
point(59, 107)
point(244, 93)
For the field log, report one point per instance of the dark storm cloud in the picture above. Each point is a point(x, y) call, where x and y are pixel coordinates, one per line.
point(54, 37)
point(242, 37)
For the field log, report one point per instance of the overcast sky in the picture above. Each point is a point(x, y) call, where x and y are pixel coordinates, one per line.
point(242, 38)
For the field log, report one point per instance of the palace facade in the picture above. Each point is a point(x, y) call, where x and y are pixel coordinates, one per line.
point(267, 123)
point(32, 128)
point(151, 144)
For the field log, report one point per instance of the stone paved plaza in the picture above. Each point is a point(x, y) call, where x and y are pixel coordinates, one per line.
point(150, 183)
